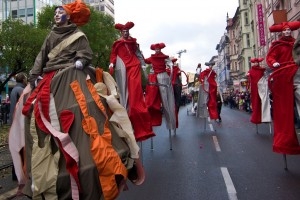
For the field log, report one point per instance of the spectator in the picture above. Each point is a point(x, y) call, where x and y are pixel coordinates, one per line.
point(16, 92)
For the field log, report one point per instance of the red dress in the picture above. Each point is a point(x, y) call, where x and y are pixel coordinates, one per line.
point(137, 110)
point(166, 97)
point(282, 88)
point(255, 74)
point(212, 105)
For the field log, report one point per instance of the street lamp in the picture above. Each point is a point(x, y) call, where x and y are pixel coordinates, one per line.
point(179, 56)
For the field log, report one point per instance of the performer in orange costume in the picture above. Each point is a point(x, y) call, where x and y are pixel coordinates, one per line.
point(127, 60)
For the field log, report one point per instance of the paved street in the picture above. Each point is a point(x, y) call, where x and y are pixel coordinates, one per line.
point(211, 161)
point(216, 162)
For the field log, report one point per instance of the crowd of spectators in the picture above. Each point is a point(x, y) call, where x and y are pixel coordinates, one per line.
point(238, 100)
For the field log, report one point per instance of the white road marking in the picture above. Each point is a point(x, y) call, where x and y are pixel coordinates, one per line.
point(216, 143)
point(229, 184)
point(211, 127)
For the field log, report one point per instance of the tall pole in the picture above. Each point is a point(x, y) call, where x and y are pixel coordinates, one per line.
point(179, 56)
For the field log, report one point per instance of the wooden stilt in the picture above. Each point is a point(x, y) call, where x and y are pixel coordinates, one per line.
point(270, 127)
point(285, 162)
point(141, 153)
point(170, 138)
point(151, 143)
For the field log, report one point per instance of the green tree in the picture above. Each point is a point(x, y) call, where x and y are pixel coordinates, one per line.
point(19, 45)
point(101, 34)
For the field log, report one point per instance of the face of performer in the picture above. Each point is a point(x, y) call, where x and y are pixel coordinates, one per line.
point(125, 33)
point(61, 17)
point(255, 64)
point(286, 32)
point(157, 50)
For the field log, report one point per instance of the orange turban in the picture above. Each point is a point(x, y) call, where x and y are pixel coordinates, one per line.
point(78, 11)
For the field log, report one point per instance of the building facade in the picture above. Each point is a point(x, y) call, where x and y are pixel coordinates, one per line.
point(249, 36)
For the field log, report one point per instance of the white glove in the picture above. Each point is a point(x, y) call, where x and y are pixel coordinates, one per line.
point(78, 65)
point(36, 82)
point(276, 64)
point(111, 65)
point(144, 67)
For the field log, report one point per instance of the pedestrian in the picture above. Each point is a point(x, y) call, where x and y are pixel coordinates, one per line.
point(68, 138)
point(159, 62)
point(220, 103)
point(126, 62)
point(16, 92)
point(284, 92)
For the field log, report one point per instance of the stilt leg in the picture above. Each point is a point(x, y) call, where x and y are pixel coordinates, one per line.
point(270, 128)
point(141, 154)
point(151, 143)
point(175, 131)
point(170, 138)
point(256, 128)
point(285, 162)
point(205, 124)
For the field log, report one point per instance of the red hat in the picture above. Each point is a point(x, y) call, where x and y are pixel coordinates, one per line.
point(157, 46)
point(282, 26)
point(78, 11)
point(174, 60)
point(256, 60)
point(126, 26)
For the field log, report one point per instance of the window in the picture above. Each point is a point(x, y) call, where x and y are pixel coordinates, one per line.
point(289, 4)
point(29, 12)
point(102, 8)
point(246, 18)
point(14, 13)
point(22, 13)
point(248, 39)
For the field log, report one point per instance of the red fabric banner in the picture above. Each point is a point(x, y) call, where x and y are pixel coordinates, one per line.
point(261, 29)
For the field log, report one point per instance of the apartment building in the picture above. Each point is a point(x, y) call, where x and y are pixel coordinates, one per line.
point(249, 35)
point(27, 9)
point(292, 9)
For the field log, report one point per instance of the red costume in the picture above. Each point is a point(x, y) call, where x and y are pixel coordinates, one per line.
point(177, 86)
point(124, 51)
point(210, 75)
point(255, 74)
point(282, 89)
point(158, 60)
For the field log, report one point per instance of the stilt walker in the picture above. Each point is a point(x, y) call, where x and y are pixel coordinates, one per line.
point(207, 99)
point(254, 75)
point(159, 62)
point(284, 86)
point(126, 63)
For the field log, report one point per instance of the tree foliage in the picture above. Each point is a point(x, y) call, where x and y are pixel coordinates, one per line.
point(19, 45)
point(101, 34)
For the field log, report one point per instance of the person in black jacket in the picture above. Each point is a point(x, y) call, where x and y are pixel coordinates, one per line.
point(219, 105)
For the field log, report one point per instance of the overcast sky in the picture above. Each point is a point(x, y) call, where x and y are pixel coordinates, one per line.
point(194, 25)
